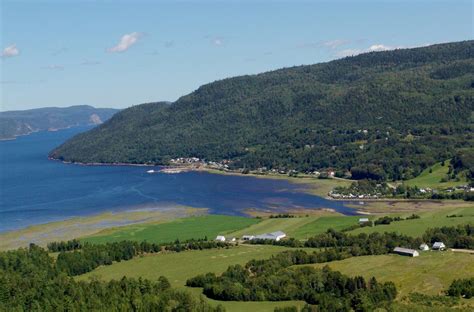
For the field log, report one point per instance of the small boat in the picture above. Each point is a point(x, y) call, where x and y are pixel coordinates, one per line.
point(151, 171)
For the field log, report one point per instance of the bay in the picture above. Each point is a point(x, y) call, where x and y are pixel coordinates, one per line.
point(35, 190)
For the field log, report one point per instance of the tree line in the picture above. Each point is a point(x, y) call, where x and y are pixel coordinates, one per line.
point(79, 258)
point(30, 280)
point(274, 280)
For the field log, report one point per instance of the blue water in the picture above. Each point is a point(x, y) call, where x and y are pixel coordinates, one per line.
point(36, 190)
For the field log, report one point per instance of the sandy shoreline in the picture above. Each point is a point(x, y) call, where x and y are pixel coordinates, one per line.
point(75, 227)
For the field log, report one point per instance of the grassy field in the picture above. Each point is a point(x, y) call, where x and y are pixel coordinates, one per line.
point(430, 273)
point(433, 179)
point(408, 206)
point(429, 219)
point(287, 225)
point(178, 267)
point(182, 229)
point(322, 224)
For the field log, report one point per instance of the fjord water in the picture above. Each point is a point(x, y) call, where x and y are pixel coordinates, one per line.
point(36, 190)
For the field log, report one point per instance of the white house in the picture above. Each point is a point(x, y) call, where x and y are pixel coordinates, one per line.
point(439, 246)
point(363, 220)
point(424, 247)
point(220, 238)
point(406, 252)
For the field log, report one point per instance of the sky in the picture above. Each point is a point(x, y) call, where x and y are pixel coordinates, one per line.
point(122, 53)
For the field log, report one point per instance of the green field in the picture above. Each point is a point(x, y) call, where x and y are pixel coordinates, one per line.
point(322, 224)
point(429, 219)
point(433, 179)
point(178, 267)
point(182, 229)
point(430, 273)
point(288, 225)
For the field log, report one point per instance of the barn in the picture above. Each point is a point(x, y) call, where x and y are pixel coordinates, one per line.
point(406, 252)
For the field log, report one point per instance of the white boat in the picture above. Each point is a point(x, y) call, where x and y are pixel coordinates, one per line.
point(151, 171)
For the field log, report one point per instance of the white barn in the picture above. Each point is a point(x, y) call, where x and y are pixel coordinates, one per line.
point(248, 237)
point(220, 238)
point(406, 252)
point(278, 235)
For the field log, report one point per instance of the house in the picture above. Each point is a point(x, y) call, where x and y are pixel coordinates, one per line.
point(248, 237)
point(272, 236)
point(220, 238)
point(406, 252)
point(424, 247)
point(363, 220)
point(439, 246)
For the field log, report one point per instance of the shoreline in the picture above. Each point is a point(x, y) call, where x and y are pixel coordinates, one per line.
point(309, 181)
point(83, 226)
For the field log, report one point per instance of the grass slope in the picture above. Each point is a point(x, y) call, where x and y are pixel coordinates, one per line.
point(182, 229)
point(433, 179)
point(429, 219)
point(430, 273)
point(178, 267)
point(321, 224)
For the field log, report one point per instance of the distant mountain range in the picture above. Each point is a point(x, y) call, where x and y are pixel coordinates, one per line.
point(380, 115)
point(15, 123)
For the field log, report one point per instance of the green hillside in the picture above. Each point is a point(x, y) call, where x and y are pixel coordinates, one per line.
point(433, 176)
point(380, 115)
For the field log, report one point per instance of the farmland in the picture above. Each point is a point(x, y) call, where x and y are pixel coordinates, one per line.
point(186, 228)
point(430, 273)
point(178, 267)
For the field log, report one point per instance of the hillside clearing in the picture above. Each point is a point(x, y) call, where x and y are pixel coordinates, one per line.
point(430, 273)
point(433, 179)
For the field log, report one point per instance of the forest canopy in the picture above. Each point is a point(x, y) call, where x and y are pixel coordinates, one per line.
point(380, 115)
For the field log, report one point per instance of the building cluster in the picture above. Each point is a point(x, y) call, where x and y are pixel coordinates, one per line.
point(465, 188)
point(186, 161)
point(423, 247)
point(335, 195)
point(276, 236)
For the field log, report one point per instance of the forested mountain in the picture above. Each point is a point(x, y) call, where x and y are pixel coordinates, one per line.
point(382, 115)
point(15, 123)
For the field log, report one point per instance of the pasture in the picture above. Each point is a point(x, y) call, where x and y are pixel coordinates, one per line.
point(433, 179)
point(178, 267)
point(429, 219)
point(430, 273)
point(182, 229)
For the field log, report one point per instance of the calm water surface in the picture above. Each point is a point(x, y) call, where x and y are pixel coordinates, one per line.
point(36, 190)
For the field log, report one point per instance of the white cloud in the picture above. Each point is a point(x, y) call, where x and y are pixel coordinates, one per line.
point(217, 42)
point(10, 51)
point(126, 42)
point(54, 67)
point(380, 47)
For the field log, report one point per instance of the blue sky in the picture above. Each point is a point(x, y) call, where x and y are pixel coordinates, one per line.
point(122, 53)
